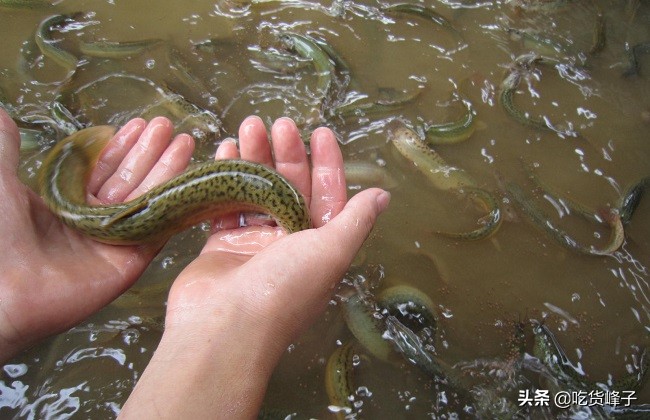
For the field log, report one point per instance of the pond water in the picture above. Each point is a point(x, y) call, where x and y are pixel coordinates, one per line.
point(576, 132)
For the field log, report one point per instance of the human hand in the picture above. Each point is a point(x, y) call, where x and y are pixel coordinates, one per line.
point(234, 310)
point(53, 277)
point(252, 268)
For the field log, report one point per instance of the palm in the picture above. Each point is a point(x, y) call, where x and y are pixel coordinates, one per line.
point(65, 276)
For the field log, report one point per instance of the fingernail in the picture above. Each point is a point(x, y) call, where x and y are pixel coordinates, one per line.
point(291, 121)
point(383, 198)
point(282, 128)
point(322, 134)
point(158, 122)
point(249, 124)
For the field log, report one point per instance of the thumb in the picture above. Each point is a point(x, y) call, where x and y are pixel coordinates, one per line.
point(9, 144)
point(350, 228)
point(320, 255)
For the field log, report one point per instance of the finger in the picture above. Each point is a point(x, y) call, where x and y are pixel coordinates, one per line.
point(138, 162)
point(9, 144)
point(253, 142)
point(329, 193)
point(291, 156)
point(227, 150)
point(346, 233)
point(253, 146)
point(173, 162)
point(114, 153)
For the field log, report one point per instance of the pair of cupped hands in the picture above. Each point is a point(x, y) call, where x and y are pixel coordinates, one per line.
point(254, 284)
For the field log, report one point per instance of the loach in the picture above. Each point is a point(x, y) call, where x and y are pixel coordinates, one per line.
point(205, 191)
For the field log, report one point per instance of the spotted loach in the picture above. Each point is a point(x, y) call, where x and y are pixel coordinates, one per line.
point(205, 191)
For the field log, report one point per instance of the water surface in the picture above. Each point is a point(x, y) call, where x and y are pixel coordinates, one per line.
point(597, 306)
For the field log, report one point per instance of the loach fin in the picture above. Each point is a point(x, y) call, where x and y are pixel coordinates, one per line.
point(126, 212)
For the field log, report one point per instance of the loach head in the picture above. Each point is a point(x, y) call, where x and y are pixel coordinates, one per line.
point(395, 126)
point(398, 131)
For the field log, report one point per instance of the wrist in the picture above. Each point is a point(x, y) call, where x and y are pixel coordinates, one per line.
point(220, 369)
point(17, 332)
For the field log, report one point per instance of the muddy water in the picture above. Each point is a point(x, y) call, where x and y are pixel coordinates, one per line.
point(598, 307)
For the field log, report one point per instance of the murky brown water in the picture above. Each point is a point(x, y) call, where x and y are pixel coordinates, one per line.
point(598, 307)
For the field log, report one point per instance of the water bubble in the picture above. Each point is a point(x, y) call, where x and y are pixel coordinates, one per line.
point(114, 407)
point(356, 360)
point(363, 391)
point(446, 312)
point(167, 262)
point(15, 370)
point(488, 158)
point(579, 353)
point(130, 336)
point(338, 409)
point(150, 64)
point(575, 297)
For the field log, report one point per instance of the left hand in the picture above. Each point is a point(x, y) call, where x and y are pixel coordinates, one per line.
point(53, 277)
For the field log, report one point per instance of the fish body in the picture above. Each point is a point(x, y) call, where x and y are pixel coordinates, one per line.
point(206, 191)
point(339, 379)
point(115, 49)
point(447, 178)
point(49, 47)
